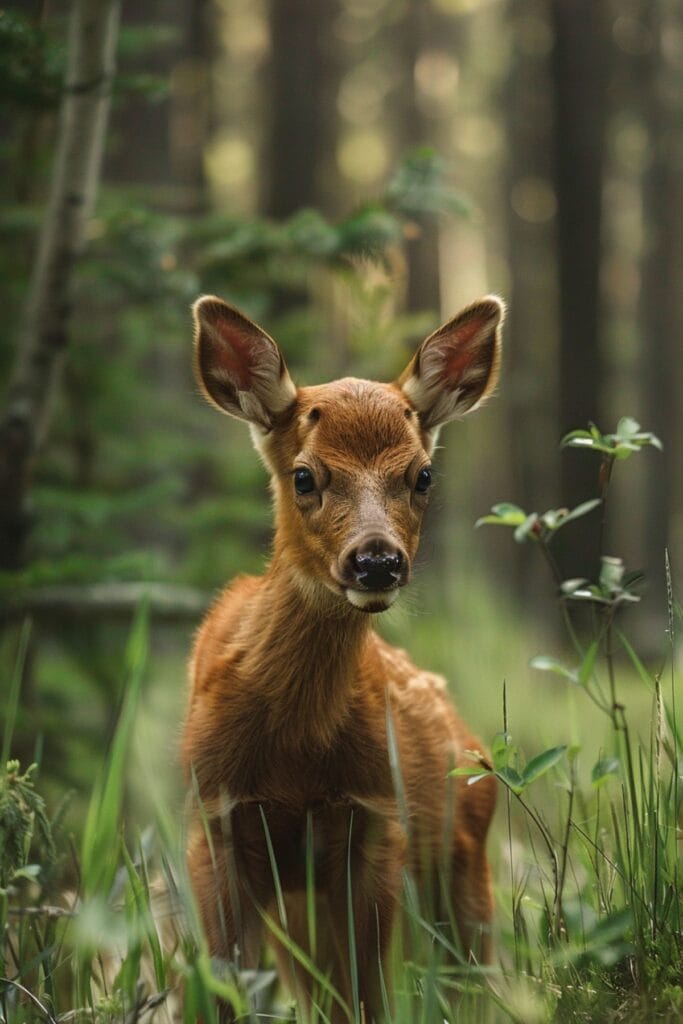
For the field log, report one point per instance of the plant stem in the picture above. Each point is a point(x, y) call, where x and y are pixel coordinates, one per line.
point(609, 657)
point(509, 823)
point(565, 841)
point(605, 475)
point(556, 923)
point(557, 576)
point(676, 739)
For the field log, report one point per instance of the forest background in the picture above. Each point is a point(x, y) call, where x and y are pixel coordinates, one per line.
point(350, 173)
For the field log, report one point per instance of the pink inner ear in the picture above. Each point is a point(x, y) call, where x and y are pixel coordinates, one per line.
point(459, 355)
point(233, 355)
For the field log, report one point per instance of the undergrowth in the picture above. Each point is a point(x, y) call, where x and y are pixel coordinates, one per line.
point(589, 897)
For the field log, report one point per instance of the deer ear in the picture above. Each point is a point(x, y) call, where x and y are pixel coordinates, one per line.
point(238, 366)
point(456, 367)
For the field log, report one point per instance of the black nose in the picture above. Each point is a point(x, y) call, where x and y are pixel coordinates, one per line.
point(377, 564)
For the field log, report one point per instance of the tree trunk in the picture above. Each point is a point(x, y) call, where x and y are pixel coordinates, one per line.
point(421, 29)
point(580, 79)
point(531, 324)
point(93, 33)
point(160, 145)
point(299, 115)
point(661, 309)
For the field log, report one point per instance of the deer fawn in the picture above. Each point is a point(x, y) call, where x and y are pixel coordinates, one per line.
point(297, 706)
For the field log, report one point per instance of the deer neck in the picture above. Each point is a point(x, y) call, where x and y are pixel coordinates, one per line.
point(306, 659)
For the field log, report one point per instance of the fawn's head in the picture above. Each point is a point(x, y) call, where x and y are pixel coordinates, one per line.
point(350, 460)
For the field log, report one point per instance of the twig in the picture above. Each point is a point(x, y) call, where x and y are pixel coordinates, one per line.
point(49, 912)
point(103, 600)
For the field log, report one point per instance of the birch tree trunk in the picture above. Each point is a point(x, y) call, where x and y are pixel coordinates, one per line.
point(43, 333)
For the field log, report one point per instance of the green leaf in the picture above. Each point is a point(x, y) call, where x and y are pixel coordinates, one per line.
point(581, 510)
point(553, 518)
point(627, 428)
point(477, 778)
point(588, 664)
point(503, 514)
point(611, 574)
point(469, 769)
point(141, 902)
point(603, 769)
point(570, 587)
point(627, 439)
point(590, 593)
point(584, 436)
point(540, 764)
point(544, 663)
point(526, 528)
point(501, 750)
point(506, 510)
point(582, 439)
point(640, 668)
point(512, 779)
point(490, 521)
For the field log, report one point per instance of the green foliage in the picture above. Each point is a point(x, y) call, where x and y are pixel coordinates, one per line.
point(101, 831)
point(627, 915)
point(420, 186)
point(505, 766)
point(23, 819)
point(613, 587)
point(624, 442)
point(533, 526)
point(31, 64)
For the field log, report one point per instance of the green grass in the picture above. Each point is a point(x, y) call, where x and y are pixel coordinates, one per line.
point(587, 878)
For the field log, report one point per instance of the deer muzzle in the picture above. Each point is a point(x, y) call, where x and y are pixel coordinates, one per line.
point(372, 570)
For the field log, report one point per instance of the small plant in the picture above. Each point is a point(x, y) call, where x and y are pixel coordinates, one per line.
point(623, 927)
point(22, 818)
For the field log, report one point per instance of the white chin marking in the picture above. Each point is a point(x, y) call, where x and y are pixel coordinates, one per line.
point(371, 600)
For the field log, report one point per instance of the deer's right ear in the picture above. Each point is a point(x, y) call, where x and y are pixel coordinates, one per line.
point(238, 366)
point(456, 368)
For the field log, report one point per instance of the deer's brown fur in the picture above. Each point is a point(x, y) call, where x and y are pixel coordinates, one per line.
point(293, 693)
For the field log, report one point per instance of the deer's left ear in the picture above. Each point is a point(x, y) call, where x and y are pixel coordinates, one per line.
point(456, 368)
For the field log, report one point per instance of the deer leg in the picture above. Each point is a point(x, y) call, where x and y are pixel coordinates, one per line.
point(231, 922)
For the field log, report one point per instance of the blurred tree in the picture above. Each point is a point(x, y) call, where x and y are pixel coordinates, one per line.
point(661, 303)
point(161, 118)
point(43, 338)
point(531, 342)
point(301, 110)
point(421, 29)
point(580, 75)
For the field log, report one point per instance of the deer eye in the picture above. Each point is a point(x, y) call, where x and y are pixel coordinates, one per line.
point(424, 481)
point(303, 481)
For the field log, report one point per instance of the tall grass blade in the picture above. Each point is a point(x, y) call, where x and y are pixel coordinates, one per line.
point(102, 825)
point(673, 725)
point(101, 835)
point(310, 886)
point(302, 958)
point(144, 919)
point(353, 953)
point(279, 895)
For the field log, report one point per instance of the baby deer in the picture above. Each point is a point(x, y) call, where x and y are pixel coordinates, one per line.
point(308, 737)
